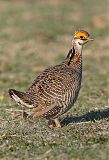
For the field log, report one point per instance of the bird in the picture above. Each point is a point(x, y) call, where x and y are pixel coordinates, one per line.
point(56, 89)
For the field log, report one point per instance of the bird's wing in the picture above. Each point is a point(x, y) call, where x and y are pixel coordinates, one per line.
point(50, 88)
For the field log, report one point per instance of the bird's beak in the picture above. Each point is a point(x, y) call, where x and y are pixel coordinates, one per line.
point(90, 39)
point(87, 40)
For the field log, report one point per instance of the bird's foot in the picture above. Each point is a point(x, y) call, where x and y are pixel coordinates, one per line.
point(49, 123)
point(57, 123)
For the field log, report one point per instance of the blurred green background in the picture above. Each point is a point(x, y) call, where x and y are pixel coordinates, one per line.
point(33, 36)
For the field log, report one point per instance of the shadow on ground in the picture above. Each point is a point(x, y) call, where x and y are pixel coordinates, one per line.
point(90, 116)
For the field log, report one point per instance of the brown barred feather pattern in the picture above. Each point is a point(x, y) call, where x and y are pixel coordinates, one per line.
point(56, 89)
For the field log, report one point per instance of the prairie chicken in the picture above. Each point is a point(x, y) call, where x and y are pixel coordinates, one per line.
point(56, 89)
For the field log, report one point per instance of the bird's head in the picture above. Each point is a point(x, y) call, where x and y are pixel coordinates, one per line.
point(81, 37)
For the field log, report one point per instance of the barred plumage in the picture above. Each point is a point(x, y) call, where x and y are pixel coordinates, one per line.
point(56, 89)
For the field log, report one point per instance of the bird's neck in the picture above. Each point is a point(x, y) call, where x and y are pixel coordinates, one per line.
point(74, 57)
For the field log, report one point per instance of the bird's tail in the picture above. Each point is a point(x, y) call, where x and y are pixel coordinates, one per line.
point(20, 98)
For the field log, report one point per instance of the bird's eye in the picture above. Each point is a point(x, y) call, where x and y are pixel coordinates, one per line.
point(81, 37)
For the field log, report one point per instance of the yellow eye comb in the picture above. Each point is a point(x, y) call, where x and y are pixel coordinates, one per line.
point(81, 33)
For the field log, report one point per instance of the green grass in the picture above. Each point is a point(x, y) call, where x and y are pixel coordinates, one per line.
point(33, 36)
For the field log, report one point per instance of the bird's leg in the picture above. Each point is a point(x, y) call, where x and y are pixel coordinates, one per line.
point(58, 125)
point(49, 123)
point(24, 114)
